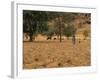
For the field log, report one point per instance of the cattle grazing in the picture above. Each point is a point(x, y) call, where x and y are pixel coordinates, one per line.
point(54, 38)
point(49, 38)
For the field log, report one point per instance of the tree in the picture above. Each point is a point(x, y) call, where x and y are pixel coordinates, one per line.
point(59, 25)
point(34, 22)
point(28, 24)
point(70, 31)
point(65, 18)
point(74, 36)
point(49, 32)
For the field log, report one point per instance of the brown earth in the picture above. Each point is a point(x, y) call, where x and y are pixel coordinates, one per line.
point(53, 54)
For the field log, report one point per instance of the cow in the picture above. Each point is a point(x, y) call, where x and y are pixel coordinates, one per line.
point(49, 38)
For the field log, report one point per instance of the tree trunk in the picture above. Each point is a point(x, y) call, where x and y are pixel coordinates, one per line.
point(31, 34)
point(74, 39)
point(74, 36)
point(60, 34)
point(60, 31)
point(30, 37)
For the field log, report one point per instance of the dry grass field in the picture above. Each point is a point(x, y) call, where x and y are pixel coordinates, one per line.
point(53, 54)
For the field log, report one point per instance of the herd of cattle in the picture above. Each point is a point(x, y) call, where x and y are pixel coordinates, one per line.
point(40, 37)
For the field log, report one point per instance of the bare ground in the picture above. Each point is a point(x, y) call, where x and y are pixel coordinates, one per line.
point(51, 54)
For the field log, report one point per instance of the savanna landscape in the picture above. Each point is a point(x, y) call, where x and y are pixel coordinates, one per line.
point(56, 39)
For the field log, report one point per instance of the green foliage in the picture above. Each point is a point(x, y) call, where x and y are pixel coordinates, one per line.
point(50, 32)
point(69, 31)
point(36, 22)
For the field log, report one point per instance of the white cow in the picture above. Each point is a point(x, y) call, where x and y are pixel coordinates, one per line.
point(26, 37)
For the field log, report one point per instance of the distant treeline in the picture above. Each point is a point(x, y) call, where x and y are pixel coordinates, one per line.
point(53, 23)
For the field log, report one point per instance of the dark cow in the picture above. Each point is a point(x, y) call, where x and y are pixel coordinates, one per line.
point(54, 38)
point(49, 38)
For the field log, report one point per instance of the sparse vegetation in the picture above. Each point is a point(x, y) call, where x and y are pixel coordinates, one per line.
point(56, 54)
point(56, 39)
